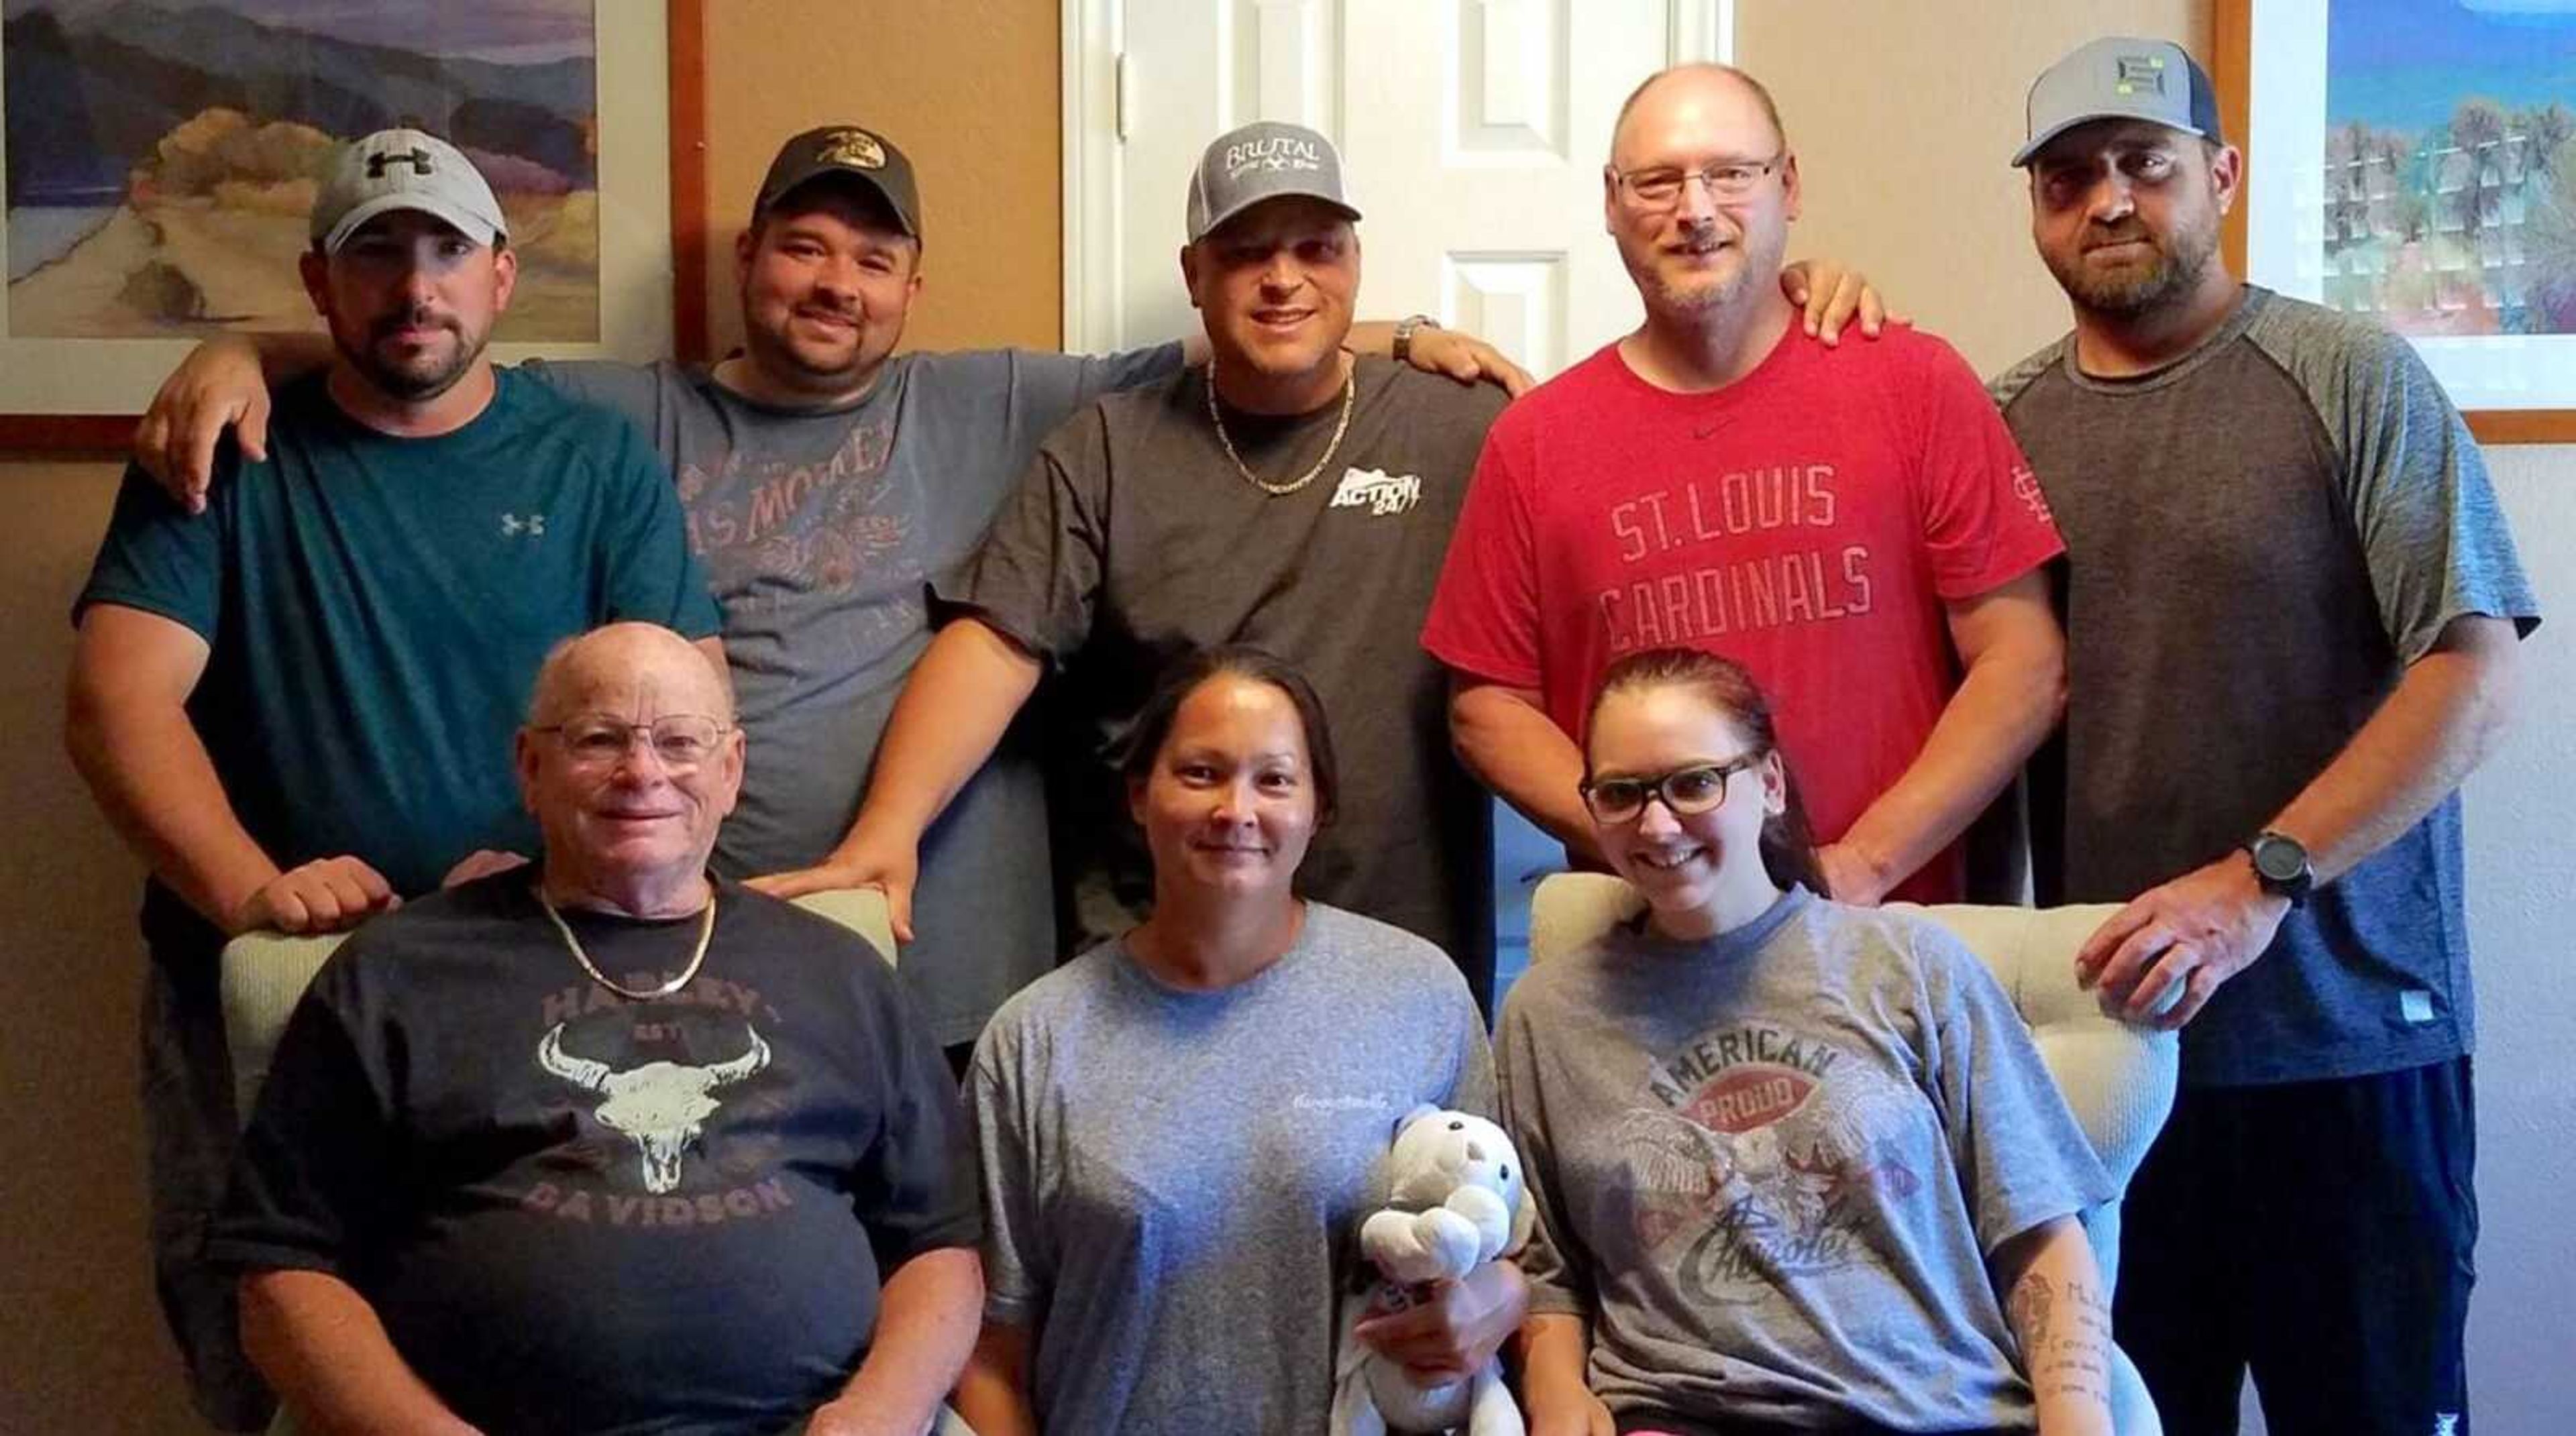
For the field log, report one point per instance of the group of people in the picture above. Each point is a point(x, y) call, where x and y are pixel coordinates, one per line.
point(1761, 621)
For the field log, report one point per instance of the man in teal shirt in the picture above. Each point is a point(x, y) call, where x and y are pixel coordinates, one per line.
point(288, 703)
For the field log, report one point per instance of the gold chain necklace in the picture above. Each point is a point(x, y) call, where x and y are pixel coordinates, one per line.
point(706, 930)
point(1341, 426)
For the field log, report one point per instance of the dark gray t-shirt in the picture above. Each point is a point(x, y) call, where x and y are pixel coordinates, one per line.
point(1770, 1168)
point(2260, 537)
point(1133, 540)
point(1175, 1179)
point(819, 533)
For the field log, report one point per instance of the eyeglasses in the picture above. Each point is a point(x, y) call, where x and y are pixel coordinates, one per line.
point(1687, 792)
point(1659, 189)
point(682, 741)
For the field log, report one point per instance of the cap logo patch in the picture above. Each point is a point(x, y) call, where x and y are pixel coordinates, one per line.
point(856, 149)
point(2141, 72)
point(415, 157)
point(1277, 152)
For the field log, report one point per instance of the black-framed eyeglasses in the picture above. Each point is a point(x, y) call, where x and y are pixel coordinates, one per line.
point(1660, 187)
point(1688, 792)
point(682, 741)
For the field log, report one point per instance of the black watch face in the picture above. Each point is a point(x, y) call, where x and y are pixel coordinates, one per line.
point(2280, 859)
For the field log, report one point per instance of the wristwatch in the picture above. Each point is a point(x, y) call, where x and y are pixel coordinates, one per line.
point(1402, 349)
point(2281, 866)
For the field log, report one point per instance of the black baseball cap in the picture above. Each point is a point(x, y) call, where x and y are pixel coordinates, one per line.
point(863, 155)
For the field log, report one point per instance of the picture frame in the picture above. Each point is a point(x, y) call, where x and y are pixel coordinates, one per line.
point(2374, 202)
point(63, 393)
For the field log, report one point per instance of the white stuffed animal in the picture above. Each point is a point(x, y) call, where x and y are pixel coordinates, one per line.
point(1457, 1199)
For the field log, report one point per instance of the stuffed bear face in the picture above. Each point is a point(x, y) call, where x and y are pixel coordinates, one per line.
point(1437, 1152)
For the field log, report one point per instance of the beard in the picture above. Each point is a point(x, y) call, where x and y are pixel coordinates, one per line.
point(425, 376)
point(2181, 257)
point(1702, 293)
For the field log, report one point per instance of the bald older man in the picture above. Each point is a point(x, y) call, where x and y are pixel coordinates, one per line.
point(607, 1143)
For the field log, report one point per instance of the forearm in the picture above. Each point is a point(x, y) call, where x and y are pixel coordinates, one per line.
point(1514, 748)
point(151, 776)
point(2444, 717)
point(1553, 1357)
point(2060, 1313)
point(926, 1321)
point(954, 709)
point(322, 1347)
point(993, 1393)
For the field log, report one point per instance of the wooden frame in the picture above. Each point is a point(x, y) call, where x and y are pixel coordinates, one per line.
point(685, 22)
point(2232, 41)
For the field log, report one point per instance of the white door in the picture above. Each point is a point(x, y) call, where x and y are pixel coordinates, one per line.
point(1473, 131)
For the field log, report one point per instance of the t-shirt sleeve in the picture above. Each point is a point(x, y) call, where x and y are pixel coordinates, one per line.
point(1036, 576)
point(2022, 1159)
point(624, 389)
point(1017, 1272)
point(915, 1187)
point(313, 1180)
point(1558, 1271)
point(1484, 618)
point(652, 575)
point(2434, 539)
point(1985, 520)
point(160, 558)
point(1049, 389)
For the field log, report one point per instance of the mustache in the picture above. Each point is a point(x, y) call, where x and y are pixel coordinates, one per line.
point(2128, 232)
point(419, 316)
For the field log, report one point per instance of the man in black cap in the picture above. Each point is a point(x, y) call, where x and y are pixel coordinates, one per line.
point(2262, 758)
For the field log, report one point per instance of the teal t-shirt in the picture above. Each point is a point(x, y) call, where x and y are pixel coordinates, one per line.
point(376, 609)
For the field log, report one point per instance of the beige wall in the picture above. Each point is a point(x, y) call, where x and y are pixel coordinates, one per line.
point(968, 88)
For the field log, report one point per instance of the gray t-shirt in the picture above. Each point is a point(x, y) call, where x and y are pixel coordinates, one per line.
point(819, 532)
point(2260, 537)
point(1133, 540)
point(1770, 1167)
point(1174, 1180)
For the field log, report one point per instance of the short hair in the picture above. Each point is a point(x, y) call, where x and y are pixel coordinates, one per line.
point(1761, 96)
point(1185, 675)
point(1788, 842)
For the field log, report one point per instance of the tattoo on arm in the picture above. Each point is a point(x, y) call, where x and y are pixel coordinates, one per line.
point(2065, 1333)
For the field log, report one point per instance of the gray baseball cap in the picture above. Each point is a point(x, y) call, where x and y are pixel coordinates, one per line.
point(2121, 78)
point(1263, 160)
point(404, 169)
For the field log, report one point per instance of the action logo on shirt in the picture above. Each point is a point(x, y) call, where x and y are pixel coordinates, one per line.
point(1377, 491)
point(1756, 1159)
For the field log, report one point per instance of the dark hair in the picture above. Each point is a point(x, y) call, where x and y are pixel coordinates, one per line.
point(1182, 677)
point(1788, 843)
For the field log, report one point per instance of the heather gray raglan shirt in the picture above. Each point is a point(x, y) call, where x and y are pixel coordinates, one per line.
point(820, 533)
point(2260, 537)
point(1173, 1180)
point(1770, 1168)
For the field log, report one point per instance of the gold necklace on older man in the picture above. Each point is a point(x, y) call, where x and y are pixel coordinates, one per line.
point(1341, 426)
point(706, 930)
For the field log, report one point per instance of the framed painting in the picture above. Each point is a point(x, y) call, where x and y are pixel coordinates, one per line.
point(159, 158)
point(2415, 161)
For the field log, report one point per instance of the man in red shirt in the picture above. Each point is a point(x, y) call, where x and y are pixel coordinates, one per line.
point(1854, 525)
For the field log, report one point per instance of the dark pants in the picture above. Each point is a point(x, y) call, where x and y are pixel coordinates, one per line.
point(2317, 1233)
point(189, 1123)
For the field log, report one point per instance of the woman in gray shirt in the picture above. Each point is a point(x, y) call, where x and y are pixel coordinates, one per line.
point(1797, 1163)
point(1181, 1129)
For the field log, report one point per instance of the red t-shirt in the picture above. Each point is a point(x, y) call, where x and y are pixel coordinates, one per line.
point(1808, 521)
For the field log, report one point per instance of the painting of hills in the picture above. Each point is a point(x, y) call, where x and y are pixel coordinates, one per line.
point(2450, 194)
point(161, 156)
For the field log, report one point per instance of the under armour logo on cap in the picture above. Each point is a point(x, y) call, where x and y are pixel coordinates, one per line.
point(415, 157)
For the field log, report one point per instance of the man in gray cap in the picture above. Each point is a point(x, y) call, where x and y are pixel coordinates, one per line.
point(2262, 760)
point(288, 703)
point(826, 478)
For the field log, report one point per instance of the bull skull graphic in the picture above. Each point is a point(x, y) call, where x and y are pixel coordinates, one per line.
point(662, 1106)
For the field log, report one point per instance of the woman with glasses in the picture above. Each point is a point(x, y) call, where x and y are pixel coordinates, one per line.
point(1797, 1164)
point(1180, 1129)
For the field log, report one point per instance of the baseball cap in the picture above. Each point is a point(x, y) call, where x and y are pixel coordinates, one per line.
point(1263, 160)
point(2121, 78)
point(863, 155)
point(404, 169)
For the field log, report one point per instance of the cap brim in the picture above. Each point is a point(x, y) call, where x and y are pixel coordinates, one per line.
point(2040, 141)
point(903, 220)
point(456, 217)
point(1218, 221)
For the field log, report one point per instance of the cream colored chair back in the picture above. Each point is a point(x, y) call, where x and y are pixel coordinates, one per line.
point(2118, 1080)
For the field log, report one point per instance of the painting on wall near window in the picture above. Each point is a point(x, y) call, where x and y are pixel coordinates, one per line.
point(159, 158)
point(2415, 161)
